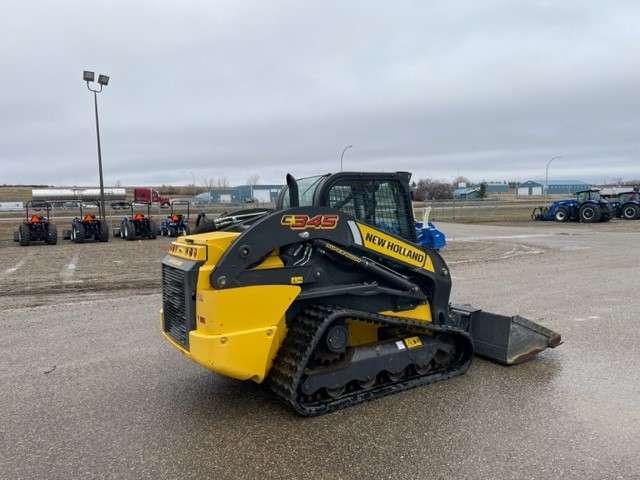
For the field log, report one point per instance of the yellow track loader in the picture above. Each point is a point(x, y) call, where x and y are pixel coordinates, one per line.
point(329, 298)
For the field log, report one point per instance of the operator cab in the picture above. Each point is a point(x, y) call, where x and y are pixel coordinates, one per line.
point(382, 200)
point(625, 197)
point(584, 195)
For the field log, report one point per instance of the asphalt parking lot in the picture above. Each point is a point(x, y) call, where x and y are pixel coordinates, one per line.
point(90, 389)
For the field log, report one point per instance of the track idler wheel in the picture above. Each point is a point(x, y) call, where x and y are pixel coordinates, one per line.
point(336, 338)
point(333, 344)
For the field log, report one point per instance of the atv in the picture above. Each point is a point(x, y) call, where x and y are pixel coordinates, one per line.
point(35, 227)
point(87, 226)
point(176, 224)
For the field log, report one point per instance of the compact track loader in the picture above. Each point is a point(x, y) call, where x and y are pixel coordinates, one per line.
point(329, 299)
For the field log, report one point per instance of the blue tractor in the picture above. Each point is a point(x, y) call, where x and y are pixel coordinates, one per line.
point(176, 224)
point(587, 207)
point(35, 227)
point(627, 205)
point(87, 226)
point(135, 225)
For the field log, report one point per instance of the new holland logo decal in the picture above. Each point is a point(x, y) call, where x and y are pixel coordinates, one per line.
point(393, 247)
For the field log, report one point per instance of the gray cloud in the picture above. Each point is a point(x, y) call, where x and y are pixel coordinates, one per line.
point(226, 89)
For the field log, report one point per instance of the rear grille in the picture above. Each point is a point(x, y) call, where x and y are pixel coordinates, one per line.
point(178, 299)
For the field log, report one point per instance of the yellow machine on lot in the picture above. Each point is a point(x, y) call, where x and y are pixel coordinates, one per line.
point(329, 297)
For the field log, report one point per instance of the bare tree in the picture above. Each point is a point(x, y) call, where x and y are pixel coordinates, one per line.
point(441, 190)
point(222, 183)
point(209, 183)
point(428, 189)
point(616, 181)
point(420, 189)
point(461, 179)
point(253, 179)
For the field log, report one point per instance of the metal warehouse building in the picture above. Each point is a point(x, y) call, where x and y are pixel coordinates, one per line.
point(466, 194)
point(473, 193)
point(554, 187)
point(497, 187)
point(241, 194)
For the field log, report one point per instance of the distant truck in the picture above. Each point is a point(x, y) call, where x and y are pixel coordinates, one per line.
point(148, 195)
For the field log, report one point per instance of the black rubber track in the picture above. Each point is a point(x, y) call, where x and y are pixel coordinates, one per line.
point(303, 335)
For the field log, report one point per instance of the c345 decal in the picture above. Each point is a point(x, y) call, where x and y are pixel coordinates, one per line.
point(302, 222)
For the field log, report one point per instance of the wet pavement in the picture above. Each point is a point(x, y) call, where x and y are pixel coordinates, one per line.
point(90, 389)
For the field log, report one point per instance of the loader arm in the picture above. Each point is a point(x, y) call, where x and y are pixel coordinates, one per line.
point(383, 263)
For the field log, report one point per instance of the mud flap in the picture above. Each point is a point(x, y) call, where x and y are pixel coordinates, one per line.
point(508, 340)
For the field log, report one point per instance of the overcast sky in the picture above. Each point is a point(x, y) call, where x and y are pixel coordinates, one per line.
point(212, 89)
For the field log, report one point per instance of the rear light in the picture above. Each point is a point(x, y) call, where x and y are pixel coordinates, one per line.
point(190, 252)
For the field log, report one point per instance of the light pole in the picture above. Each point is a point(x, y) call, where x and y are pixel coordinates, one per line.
point(546, 177)
point(342, 156)
point(103, 81)
point(194, 183)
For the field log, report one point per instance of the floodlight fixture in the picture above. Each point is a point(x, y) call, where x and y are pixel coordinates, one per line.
point(103, 80)
point(88, 76)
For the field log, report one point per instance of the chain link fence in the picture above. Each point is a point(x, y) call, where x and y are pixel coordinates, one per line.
point(487, 210)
